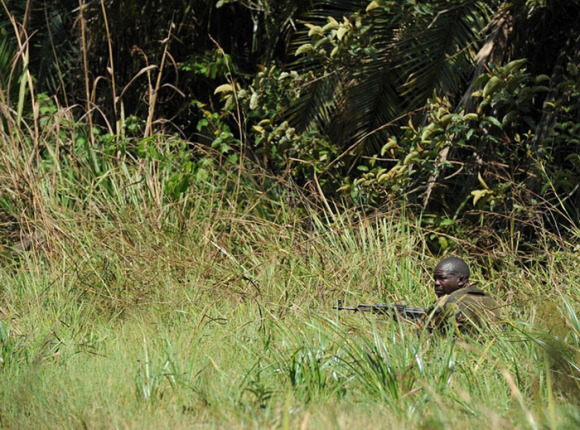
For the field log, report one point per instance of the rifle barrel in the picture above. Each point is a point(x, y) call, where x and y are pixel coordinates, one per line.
point(381, 308)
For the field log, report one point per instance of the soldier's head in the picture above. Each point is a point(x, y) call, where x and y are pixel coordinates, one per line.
point(450, 275)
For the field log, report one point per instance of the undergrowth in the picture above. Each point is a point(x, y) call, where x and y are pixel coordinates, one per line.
point(153, 283)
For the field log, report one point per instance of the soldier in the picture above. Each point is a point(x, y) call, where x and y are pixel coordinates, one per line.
point(460, 305)
point(459, 301)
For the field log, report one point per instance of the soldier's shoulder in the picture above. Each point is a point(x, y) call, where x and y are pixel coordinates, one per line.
point(474, 290)
point(460, 294)
point(469, 290)
point(472, 294)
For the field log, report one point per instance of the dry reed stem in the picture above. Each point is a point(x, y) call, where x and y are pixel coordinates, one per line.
point(111, 70)
point(87, 82)
point(153, 92)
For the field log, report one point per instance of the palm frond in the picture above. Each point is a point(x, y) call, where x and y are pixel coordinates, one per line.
point(415, 54)
point(6, 56)
point(440, 58)
point(369, 103)
point(317, 105)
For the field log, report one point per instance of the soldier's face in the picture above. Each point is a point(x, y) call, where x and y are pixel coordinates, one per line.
point(446, 281)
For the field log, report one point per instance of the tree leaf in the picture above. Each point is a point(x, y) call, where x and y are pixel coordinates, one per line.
point(492, 86)
point(494, 121)
point(341, 32)
point(307, 47)
point(224, 88)
point(372, 5)
point(479, 194)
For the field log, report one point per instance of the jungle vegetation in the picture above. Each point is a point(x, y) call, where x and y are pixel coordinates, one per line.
point(188, 186)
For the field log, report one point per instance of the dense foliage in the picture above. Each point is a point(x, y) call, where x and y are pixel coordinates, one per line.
point(467, 110)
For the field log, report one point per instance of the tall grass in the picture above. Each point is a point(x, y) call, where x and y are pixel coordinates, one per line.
point(135, 310)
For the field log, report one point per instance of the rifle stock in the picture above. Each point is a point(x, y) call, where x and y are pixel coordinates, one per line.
point(385, 309)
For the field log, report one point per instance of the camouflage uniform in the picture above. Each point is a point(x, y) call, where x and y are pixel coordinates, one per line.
point(466, 307)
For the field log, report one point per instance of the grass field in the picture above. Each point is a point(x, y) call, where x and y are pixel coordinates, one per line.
point(125, 307)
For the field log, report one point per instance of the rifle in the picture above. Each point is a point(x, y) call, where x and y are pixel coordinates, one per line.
point(412, 314)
